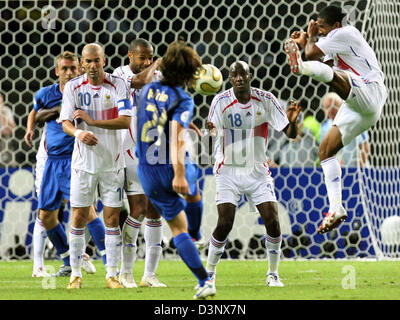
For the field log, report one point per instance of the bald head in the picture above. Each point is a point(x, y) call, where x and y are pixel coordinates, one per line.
point(240, 77)
point(93, 62)
point(93, 49)
point(239, 65)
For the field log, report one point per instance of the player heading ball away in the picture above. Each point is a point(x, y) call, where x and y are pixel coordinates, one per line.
point(95, 105)
point(242, 116)
point(356, 76)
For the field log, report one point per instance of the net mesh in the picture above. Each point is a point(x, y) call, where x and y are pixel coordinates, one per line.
point(35, 32)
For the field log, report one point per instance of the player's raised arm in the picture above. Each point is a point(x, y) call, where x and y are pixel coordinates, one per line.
point(146, 76)
point(292, 113)
point(311, 51)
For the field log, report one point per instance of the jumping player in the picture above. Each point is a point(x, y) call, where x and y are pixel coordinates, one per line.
point(356, 76)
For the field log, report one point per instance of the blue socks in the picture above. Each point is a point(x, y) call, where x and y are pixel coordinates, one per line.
point(190, 255)
point(97, 230)
point(58, 237)
point(194, 214)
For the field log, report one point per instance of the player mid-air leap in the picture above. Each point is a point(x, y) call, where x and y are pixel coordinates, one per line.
point(352, 70)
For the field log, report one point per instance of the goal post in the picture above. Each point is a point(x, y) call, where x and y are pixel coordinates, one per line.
point(222, 32)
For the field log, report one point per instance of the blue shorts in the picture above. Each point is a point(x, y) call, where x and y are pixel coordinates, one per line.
point(156, 181)
point(55, 184)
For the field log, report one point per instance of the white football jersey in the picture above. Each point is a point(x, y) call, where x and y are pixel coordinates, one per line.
point(103, 102)
point(351, 52)
point(129, 135)
point(243, 128)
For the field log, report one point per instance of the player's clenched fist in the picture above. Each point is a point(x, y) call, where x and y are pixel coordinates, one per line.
point(88, 138)
point(300, 37)
point(79, 114)
point(180, 185)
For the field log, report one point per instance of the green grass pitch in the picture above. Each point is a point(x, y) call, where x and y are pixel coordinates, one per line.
point(236, 280)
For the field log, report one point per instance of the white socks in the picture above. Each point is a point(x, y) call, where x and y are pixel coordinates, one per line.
point(39, 244)
point(77, 247)
point(153, 237)
point(215, 250)
point(273, 246)
point(130, 232)
point(333, 173)
point(113, 243)
point(317, 70)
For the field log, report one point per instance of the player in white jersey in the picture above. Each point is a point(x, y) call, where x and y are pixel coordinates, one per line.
point(241, 116)
point(140, 71)
point(356, 76)
point(98, 103)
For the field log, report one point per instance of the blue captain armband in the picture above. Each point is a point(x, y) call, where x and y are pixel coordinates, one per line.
point(124, 105)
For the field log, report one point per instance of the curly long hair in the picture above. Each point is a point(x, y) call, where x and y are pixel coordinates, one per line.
point(179, 64)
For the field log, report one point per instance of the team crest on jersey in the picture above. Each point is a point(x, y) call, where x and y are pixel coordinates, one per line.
point(107, 101)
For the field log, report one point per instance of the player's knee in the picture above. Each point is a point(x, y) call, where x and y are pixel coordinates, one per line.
point(223, 229)
point(323, 152)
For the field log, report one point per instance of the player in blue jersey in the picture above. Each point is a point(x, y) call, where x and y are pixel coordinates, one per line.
point(55, 181)
point(164, 113)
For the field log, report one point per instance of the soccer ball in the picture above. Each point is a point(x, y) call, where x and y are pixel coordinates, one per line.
point(208, 80)
point(390, 231)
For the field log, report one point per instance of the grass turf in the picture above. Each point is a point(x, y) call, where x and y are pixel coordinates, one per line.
point(236, 280)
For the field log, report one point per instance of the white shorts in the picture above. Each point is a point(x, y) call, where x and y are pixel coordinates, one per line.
point(39, 168)
point(132, 184)
point(257, 186)
point(84, 187)
point(362, 109)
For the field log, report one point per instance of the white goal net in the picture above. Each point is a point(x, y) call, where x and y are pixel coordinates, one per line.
point(33, 33)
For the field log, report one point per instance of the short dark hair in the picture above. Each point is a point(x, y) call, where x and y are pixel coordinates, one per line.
point(179, 64)
point(139, 42)
point(332, 14)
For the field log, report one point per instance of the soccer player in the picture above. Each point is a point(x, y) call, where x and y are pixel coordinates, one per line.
point(164, 113)
point(140, 71)
point(356, 77)
point(241, 117)
point(94, 107)
point(53, 172)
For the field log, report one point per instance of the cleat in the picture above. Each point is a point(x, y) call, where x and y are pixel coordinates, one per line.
point(151, 282)
point(126, 279)
point(87, 265)
point(200, 244)
point(40, 273)
point(113, 283)
point(273, 280)
point(332, 220)
point(207, 290)
point(211, 275)
point(294, 55)
point(64, 271)
point(75, 283)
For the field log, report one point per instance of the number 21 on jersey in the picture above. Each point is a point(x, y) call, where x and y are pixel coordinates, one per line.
point(156, 122)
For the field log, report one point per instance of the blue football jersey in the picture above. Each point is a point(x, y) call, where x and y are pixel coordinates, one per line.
point(58, 143)
point(158, 105)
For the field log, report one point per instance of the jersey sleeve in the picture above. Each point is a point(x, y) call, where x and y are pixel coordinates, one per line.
point(336, 42)
point(214, 115)
point(184, 111)
point(276, 116)
point(68, 103)
point(38, 100)
point(123, 101)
